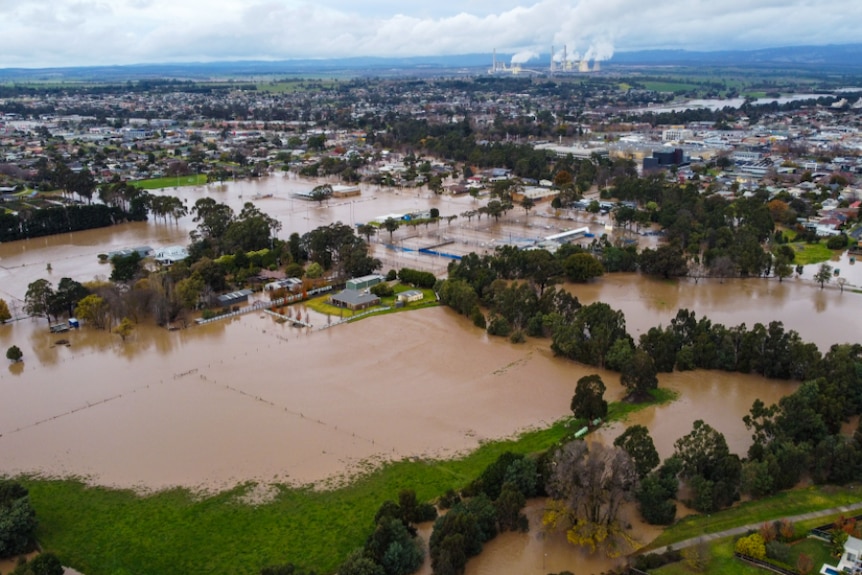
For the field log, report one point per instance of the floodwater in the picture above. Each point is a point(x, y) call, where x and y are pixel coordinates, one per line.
point(249, 399)
point(539, 552)
point(824, 317)
point(719, 104)
point(75, 255)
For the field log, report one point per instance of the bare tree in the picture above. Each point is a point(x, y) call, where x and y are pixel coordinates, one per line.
point(587, 487)
point(723, 267)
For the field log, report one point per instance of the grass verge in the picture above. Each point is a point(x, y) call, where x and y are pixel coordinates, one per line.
point(784, 504)
point(102, 531)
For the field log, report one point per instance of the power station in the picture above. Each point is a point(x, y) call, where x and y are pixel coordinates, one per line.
point(562, 64)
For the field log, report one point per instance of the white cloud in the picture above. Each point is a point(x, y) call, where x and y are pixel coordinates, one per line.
point(86, 32)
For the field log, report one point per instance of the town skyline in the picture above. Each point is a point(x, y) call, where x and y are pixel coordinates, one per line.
point(70, 33)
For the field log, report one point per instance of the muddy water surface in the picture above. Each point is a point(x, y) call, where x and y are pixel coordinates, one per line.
point(820, 316)
point(252, 399)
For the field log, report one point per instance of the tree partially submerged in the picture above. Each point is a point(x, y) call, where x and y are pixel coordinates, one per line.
point(14, 354)
point(587, 487)
point(589, 402)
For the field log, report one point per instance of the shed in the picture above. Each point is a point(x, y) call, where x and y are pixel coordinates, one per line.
point(364, 282)
point(411, 296)
point(354, 300)
point(233, 298)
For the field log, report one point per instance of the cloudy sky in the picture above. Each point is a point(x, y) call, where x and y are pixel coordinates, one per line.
point(39, 33)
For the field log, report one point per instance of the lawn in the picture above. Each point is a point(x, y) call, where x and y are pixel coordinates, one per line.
point(722, 562)
point(387, 304)
point(104, 531)
point(171, 182)
point(811, 253)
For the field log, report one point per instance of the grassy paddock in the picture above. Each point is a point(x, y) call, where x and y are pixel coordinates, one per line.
point(171, 182)
point(103, 531)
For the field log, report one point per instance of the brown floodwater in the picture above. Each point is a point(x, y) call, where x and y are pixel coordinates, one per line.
point(539, 551)
point(252, 399)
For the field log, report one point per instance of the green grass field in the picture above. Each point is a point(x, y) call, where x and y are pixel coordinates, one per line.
point(104, 531)
point(171, 182)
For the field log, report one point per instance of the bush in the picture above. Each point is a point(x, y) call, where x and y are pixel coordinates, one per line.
point(417, 278)
point(14, 354)
point(656, 560)
point(17, 519)
point(838, 242)
point(391, 276)
point(382, 290)
point(499, 326)
point(517, 336)
point(42, 564)
point(478, 317)
point(778, 551)
point(449, 499)
point(753, 546)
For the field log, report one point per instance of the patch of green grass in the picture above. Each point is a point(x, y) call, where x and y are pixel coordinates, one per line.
point(319, 305)
point(103, 531)
point(722, 562)
point(817, 549)
point(171, 182)
point(811, 253)
point(784, 504)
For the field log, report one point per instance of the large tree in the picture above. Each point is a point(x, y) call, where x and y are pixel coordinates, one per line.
point(636, 441)
point(823, 275)
point(591, 335)
point(37, 300)
point(587, 487)
point(638, 375)
point(589, 402)
point(390, 225)
point(582, 267)
point(713, 473)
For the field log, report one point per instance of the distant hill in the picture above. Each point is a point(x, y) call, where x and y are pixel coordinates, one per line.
point(846, 57)
point(833, 58)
